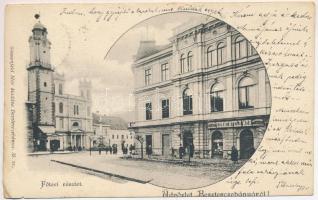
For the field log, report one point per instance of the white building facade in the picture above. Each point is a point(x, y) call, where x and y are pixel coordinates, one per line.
point(56, 121)
point(106, 135)
point(207, 89)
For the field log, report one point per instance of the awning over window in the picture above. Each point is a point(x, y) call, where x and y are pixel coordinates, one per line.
point(47, 129)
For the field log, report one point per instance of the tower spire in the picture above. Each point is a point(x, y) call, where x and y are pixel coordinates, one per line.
point(37, 17)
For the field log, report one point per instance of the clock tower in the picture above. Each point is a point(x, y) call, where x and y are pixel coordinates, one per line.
point(41, 86)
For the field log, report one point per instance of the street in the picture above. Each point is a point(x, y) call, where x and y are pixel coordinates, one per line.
point(110, 167)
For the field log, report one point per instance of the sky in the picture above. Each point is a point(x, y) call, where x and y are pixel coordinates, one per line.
point(81, 53)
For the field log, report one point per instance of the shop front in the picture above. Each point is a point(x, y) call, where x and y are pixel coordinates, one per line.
point(244, 134)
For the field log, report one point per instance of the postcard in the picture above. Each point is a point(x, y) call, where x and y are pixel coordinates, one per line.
point(159, 100)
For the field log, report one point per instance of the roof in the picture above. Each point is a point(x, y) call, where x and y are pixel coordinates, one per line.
point(115, 123)
point(149, 47)
point(38, 25)
point(47, 129)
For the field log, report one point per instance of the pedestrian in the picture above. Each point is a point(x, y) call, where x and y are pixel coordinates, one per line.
point(149, 151)
point(110, 150)
point(234, 155)
point(99, 150)
point(74, 148)
point(181, 151)
point(130, 149)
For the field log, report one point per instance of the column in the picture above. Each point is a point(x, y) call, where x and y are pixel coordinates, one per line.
point(260, 93)
point(71, 140)
point(48, 144)
point(229, 48)
point(65, 142)
point(81, 140)
point(229, 98)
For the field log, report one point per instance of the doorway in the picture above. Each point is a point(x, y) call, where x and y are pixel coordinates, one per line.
point(246, 144)
point(188, 142)
point(217, 144)
point(54, 145)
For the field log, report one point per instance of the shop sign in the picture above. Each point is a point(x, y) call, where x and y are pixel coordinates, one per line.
point(230, 124)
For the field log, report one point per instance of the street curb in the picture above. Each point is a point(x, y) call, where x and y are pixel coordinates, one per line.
point(103, 172)
point(178, 162)
point(49, 153)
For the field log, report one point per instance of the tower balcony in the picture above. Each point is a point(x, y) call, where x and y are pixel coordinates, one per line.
point(40, 64)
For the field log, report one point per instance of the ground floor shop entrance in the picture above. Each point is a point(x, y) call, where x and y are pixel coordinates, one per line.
point(188, 142)
point(246, 144)
point(217, 144)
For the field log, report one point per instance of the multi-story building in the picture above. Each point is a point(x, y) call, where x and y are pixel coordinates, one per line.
point(56, 121)
point(207, 88)
point(73, 115)
point(108, 133)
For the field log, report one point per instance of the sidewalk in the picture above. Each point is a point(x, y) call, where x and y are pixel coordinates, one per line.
point(39, 153)
point(162, 173)
point(193, 161)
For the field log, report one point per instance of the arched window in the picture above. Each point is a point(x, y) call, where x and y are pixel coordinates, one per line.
point(182, 63)
point(240, 47)
point(246, 93)
point(190, 59)
point(75, 124)
point(221, 53)
point(210, 52)
point(251, 50)
point(61, 107)
point(187, 102)
point(217, 97)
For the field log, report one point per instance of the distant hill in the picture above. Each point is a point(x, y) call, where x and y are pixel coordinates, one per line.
point(116, 123)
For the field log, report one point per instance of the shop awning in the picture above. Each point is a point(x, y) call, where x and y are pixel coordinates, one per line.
point(47, 129)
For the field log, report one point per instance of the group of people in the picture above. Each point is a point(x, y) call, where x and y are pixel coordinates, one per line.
point(186, 150)
point(111, 149)
point(125, 149)
point(76, 148)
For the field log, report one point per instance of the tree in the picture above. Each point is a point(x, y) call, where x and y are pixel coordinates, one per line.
point(141, 140)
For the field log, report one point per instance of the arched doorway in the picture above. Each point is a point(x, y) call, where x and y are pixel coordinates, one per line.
point(54, 145)
point(217, 144)
point(188, 142)
point(246, 144)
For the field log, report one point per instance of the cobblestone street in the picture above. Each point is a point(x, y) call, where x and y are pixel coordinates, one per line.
point(164, 174)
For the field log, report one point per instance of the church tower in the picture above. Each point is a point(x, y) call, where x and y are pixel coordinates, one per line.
point(41, 85)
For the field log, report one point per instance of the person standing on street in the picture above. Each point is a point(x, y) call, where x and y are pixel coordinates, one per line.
point(234, 155)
